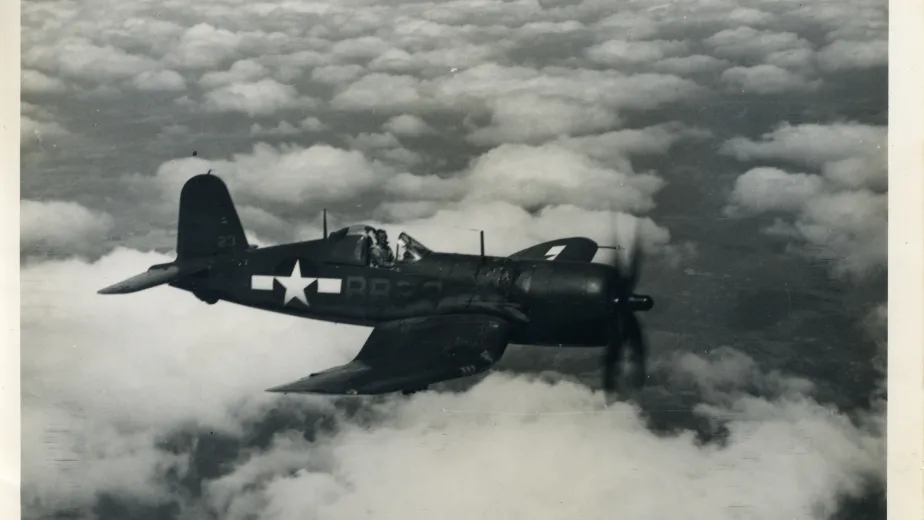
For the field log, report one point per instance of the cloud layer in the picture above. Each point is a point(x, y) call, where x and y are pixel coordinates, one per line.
point(204, 373)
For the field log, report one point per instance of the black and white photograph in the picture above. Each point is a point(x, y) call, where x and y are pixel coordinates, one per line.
point(493, 259)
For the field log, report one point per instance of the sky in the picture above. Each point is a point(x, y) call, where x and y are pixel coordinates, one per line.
point(746, 137)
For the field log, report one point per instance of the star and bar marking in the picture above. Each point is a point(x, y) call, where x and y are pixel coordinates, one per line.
point(295, 284)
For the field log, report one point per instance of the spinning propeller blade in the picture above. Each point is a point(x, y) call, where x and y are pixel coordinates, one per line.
point(624, 326)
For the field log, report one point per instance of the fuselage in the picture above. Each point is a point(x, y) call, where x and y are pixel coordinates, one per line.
point(548, 303)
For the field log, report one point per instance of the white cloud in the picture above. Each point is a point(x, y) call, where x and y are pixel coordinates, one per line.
point(161, 80)
point(62, 228)
point(747, 42)
point(34, 82)
point(83, 60)
point(407, 125)
point(262, 97)
point(629, 52)
point(117, 383)
point(813, 144)
point(766, 79)
point(241, 71)
point(380, 92)
point(605, 456)
point(771, 189)
point(532, 118)
point(845, 55)
point(290, 175)
point(533, 176)
point(336, 74)
point(203, 46)
point(838, 215)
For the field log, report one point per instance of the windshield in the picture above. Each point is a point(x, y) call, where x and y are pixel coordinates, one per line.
point(410, 250)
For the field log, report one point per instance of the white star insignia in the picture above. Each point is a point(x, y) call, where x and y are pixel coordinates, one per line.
point(295, 285)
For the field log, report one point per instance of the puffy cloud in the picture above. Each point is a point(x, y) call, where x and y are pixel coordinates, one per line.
point(630, 52)
point(747, 42)
point(203, 46)
point(119, 406)
point(839, 215)
point(241, 71)
point(161, 80)
point(846, 55)
point(61, 228)
point(766, 79)
point(407, 125)
point(837, 148)
point(262, 97)
point(772, 189)
point(534, 176)
point(92, 361)
point(34, 82)
point(83, 60)
point(290, 175)
point(530, 118)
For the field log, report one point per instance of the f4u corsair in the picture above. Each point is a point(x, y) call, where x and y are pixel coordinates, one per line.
point(435, 316)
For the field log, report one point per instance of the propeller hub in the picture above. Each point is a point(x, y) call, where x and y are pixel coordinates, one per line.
point(640, 302)
point(635, 303)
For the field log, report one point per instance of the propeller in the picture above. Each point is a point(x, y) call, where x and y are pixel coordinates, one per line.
point(623, 327)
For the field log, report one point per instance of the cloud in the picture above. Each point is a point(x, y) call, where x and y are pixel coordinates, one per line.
point(262, 97)
point(162, 80)
point(749, 43)
point(630, 52)
point(533, 176)
point(838, 214)
point(241, 71)
point(34, 82)
point(203, 46)
point(766, 79)
point(289, 175)
point(61, 228)
point(130, 391)
point(531, 118)
point(407, 125)
point(92, 361)
point(847, 55)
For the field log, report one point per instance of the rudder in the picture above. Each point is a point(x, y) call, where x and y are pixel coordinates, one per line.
point(208, 222)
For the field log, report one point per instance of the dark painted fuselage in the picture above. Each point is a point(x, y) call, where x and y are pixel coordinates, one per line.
point(549, 303)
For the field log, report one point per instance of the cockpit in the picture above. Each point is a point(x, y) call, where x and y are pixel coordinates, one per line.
point(364, 245)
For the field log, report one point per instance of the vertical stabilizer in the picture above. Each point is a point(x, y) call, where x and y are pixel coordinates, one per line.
point(208, 223)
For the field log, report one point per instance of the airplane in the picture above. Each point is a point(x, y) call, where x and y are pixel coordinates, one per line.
point(435, 316)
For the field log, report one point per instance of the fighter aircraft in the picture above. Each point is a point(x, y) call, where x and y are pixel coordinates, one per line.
point(436, 316)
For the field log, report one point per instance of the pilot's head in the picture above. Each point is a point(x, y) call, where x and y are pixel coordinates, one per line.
point(381, 236)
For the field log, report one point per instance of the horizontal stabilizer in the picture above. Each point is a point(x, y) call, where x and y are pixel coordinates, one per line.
point(412, 354)
point(157, 275)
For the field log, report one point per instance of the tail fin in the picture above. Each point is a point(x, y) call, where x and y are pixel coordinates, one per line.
point(208, 223)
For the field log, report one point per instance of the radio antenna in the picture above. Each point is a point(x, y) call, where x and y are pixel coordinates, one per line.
point(324, 218)
point(481, 232)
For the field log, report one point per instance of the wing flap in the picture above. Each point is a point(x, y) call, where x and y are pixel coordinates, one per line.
point(411, 354)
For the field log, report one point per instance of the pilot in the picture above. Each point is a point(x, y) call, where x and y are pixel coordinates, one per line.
point(381, 253)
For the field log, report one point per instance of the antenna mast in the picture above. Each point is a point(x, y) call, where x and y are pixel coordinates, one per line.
point(481, 232)
point(324, 218)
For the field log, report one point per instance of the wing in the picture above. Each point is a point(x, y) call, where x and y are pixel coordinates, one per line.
point(574, 249)
point(411, 354)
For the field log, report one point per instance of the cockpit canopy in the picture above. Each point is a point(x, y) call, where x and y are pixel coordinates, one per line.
point(351, 244)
